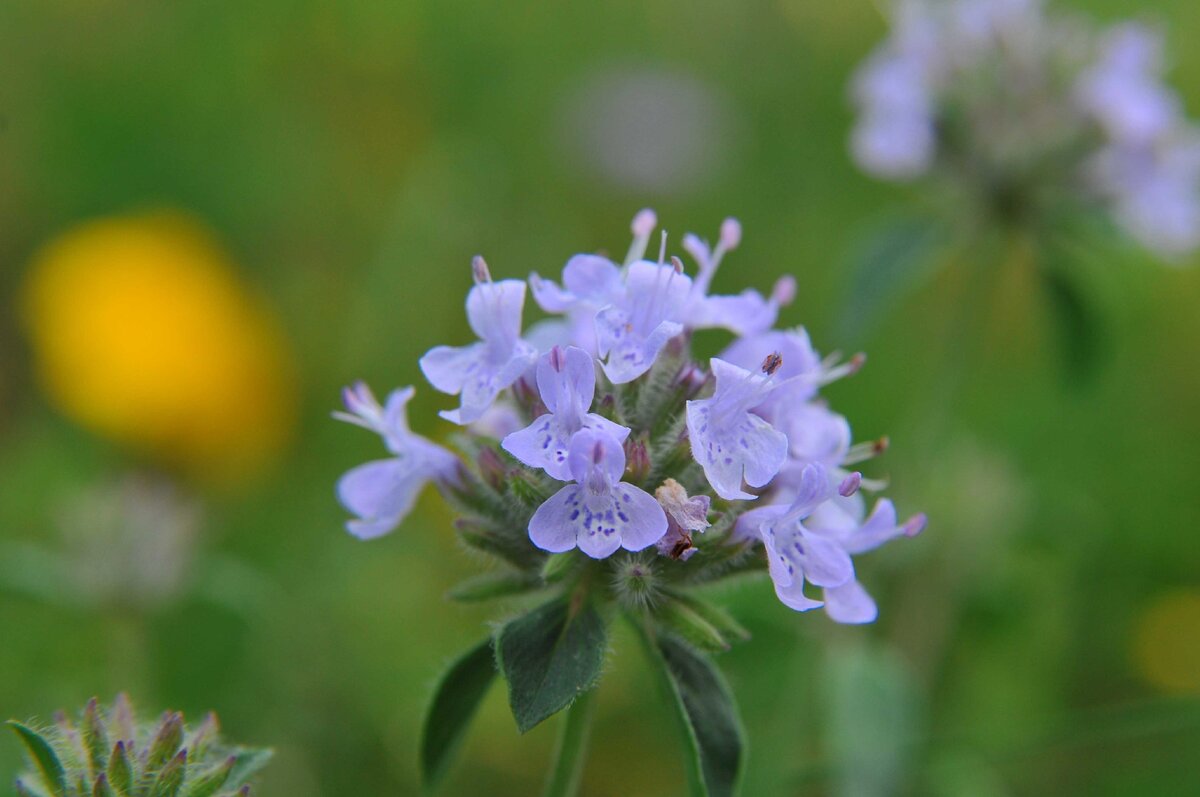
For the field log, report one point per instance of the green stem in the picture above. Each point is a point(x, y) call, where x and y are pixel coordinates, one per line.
point(572, 748)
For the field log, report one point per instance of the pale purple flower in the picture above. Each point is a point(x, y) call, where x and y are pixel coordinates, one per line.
point(842, 520)
point(729, 441)
point(1123, 90)
point(746, 313)
point(812, 540)
point(479, 371)
point(382, 492)
point(590, 283)
point(599, 513)
point(795, 553)
point(566, 380)
point(632, 330)
point(895, 136)
point(1155, 192)
point(799, 360)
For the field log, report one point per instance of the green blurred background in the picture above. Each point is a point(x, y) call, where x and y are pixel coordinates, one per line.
point(1043, 636)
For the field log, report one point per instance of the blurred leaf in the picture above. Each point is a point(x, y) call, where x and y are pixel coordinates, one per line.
point(713, 738)
point(549, 657)
point(1077, 325)
point(872, 720)
point(456, 698)
point(886, 266)
point(43, 757)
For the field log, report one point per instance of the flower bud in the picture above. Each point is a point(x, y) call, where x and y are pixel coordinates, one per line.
point(637, 460)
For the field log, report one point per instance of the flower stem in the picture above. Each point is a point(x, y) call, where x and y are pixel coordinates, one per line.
point(571, 750)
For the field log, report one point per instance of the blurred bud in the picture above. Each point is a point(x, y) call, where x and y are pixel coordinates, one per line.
point(491, 468)
point(130, 543)
point(163, 768)
point(637, 460)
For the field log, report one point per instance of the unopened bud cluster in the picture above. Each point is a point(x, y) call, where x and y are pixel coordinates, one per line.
point(594, 449)
point(109, 753)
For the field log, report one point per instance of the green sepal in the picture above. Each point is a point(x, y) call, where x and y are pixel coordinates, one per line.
point(496, 584)
point(687, 623)
point(550, 656)
point(250, 761)
point(491, 538)
point(120, 770)
point(456, 699)
point(725, 624)
point(209, 782)
point(170, 777)
point(44, 758)
point(198, 741)
point(166, 741)
point(714, 742)
point(528, 489)
point(95, 738)
point(558, 566)
point(101, 788)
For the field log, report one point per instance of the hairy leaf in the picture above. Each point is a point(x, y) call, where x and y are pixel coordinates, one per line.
point(549, 657)
point(713, 739)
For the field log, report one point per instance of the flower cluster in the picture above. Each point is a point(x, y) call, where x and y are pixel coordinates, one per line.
point(1032, 108)
point(596, 430)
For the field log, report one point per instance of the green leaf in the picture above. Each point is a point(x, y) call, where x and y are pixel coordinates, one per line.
point(456, 698)
point(44, 758)
point(497, 584)
point(873, 711)
point(549, 657)
point(713, 738)
point(890, 263)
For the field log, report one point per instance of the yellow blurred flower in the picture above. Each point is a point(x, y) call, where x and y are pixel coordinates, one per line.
point(1166, 645)
point(142, 332)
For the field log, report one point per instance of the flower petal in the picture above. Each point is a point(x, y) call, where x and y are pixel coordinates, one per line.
point(850, 603)
point(554, 526)
point(494, 311)
point(824, 561)
point(542, 444)
point(381, 493)
point(640, 519)
point(447, 367)
point(573, 381)
point(728, 449)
